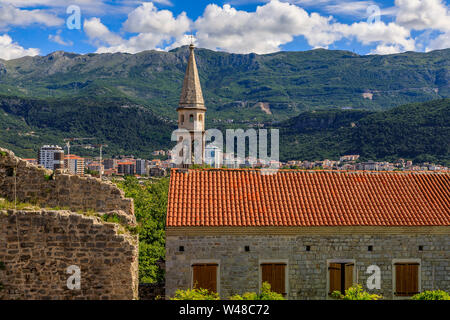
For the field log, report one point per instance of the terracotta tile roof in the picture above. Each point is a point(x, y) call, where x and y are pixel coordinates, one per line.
point(303, 198)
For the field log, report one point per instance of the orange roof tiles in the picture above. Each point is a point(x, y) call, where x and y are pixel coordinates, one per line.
point(239, 197)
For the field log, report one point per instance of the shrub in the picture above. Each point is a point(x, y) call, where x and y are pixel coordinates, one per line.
point(432, 295)
point(266, 294)
point(195, 294)
point(355, 292)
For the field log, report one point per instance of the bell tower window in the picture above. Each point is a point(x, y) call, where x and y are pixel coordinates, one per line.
point(191, 118)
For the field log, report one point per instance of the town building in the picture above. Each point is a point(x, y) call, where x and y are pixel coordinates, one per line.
point(213, 156)
point(74, 164)
point(126, 168)
point(141, 167)
point(110, 164)
point(51, 157)
point(307, 233)
point(32, 161)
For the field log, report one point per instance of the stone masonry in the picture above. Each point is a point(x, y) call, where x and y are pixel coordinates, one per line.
point(29, 183)
point(307, 270)
point(36, 248)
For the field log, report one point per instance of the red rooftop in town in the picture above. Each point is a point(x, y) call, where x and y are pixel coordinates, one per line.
point(243, 197)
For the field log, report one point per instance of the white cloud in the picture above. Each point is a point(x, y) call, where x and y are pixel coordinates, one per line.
point(277, 23)
point(58, 39)
point(441, 42)
point(156, 29)
point(272, 25)
point(387, 35)
point(262, 31)
point(352, 8)
point(11, 50)
point(12, 16)
point(148, 19)
point(423, 14)
point(99, 34)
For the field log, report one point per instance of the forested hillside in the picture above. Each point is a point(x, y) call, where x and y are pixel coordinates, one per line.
point(420, 132)
point(241, 87)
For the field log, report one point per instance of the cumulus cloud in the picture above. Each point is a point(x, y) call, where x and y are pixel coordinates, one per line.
point(155, 29)
point(12, 16)
point(99, 33)
point(426, 15)
point(57, 38)
point(11, 50)
point(274, 24)
point(423, 14)
point(262, 31)
point(277, 23)
point(148, 19)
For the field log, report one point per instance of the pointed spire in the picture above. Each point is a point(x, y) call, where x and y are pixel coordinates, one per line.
point(191, 95)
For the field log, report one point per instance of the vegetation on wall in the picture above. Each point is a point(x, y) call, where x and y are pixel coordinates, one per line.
point(204, 294)
point(355, 292)
point(432, 295)
point(150, 206)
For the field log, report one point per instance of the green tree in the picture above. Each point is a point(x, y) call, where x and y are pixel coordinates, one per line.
point(150, 205)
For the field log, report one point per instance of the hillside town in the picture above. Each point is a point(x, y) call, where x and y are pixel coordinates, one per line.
point(53, 157)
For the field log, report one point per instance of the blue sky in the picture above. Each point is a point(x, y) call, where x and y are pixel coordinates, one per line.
point(30, 27)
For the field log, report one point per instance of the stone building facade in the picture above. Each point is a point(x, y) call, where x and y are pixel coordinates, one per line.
point(307, 271)
point(308, 233)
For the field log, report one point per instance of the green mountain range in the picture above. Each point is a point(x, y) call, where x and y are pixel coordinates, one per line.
point(326, 103)
point(237, 86)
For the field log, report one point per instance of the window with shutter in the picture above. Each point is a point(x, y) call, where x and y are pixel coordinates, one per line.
point(275, 275)
point(204, 276)
point(335, 277)
point(406, 279)
point(340, 277)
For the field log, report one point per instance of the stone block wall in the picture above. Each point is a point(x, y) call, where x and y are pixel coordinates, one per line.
point(29, 183)
point(36, 248)
point(307, 270)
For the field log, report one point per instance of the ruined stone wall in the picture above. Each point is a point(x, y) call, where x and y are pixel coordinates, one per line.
point(239, 271)
point(37, 247)
point(29, 183)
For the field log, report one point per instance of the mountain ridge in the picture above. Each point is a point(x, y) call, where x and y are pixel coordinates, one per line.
point(289, 82)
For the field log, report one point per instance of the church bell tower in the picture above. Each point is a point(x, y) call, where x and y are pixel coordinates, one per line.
point(191, 110)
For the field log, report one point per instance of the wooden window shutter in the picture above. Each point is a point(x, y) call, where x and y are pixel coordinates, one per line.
point(348, 275)
point(205, 276)
point(406, 279)
point(335, 277)
point(275, 275)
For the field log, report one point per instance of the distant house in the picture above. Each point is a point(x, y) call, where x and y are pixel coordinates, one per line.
point(346, 158)
point(308, 233)
point(74, 164)
point(51, 157)
point(126, 168)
